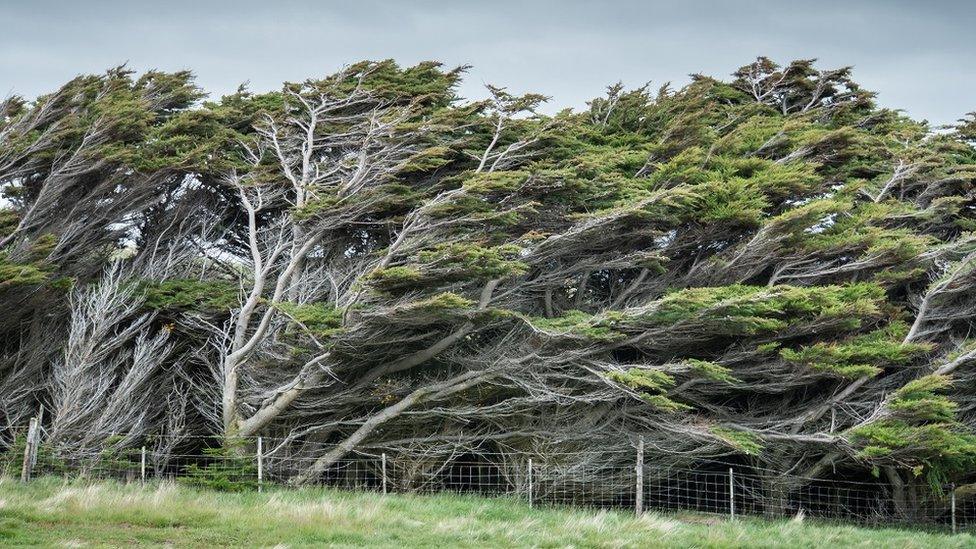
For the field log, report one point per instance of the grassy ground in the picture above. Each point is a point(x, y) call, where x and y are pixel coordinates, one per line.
point(50, 512)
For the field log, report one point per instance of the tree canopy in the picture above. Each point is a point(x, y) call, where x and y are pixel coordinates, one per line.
point(769, 269)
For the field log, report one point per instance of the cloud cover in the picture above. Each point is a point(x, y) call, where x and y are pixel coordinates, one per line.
point(919, 56)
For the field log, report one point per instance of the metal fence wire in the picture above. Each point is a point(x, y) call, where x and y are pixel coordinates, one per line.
point(557, 479)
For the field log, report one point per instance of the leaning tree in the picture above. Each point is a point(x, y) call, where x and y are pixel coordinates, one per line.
point(770, 271)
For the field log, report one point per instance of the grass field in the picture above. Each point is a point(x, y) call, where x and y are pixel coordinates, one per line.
point(50, 512)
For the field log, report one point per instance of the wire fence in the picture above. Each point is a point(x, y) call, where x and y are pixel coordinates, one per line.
point(549, 479)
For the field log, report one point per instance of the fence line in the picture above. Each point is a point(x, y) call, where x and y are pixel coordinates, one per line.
point(549, 479)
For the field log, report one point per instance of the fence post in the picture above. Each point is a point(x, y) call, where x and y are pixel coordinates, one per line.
point(384, 472)
point(142, 465)
point(260, 464)
point(37, 437)
point(29, 451)
point(530, 482)
point(639, 493)
point(952, 506)
point(731, 494)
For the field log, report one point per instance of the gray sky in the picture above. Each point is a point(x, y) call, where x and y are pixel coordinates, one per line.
point(918, 55)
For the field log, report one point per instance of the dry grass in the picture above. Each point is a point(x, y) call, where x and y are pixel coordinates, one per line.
point(51, 512)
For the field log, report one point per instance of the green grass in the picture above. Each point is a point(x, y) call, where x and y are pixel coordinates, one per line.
point(52, 512)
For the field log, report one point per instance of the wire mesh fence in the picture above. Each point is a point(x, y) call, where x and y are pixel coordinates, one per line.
point(550, 479)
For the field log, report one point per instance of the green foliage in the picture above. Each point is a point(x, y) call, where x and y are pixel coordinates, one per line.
point(12, 460)
point(14, 274)
point(752, 205)
point(643, 380)
point(735, 202)
point(231, 468)
point(451, 262)
point(438, 308)
point(575, 324)
point(652, 385)
point(664, 404)
point(919, 400)
point(738, 192)
point(484, 183)
point(190, 295)
point(922, 431)
point(760, 133)
point(743, 441)
point(748, 310)
point(116, 458)
point(482, 191)
point(30, 268)
point(863, 355)
point(729, 311)
point(472, 260)
point(863, 232)
point(936, 450)
point(8, 221)
point(428, 159)
point(962, 348)
point(391, 278)
point(388, 198)
point(711, 370)
point(319, 319)
point(425, 82)
point(135, 112)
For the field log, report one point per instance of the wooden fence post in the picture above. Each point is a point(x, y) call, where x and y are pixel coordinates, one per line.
point(30, 451)
point(384, 472)
point(37, 438)
point(260, 464)
point(142, 465)
point(731, 494)
point(530, 482)
point(952, 504)
point(639, 489)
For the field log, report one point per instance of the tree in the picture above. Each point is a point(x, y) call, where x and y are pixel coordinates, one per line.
point(771, 271)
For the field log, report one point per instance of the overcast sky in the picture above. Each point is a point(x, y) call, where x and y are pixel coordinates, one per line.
point(919, 55)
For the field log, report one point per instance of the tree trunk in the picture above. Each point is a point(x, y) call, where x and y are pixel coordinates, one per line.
point(438, 390)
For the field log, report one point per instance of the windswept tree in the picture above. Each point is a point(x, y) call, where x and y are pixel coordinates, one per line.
point(770, 271)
